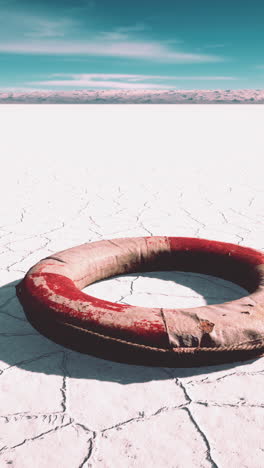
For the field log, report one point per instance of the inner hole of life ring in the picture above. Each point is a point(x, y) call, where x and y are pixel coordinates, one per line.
point(168, 289)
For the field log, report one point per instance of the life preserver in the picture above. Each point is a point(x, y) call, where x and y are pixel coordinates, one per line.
point(55, 305)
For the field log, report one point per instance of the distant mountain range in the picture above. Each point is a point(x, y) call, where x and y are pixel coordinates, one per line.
point(243, 96)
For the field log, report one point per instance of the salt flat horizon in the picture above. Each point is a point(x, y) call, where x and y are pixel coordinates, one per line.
point(134, 96)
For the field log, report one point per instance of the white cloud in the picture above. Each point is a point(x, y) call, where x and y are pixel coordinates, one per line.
point(102, 84)
point(19, 89)
point(113, 36)
point(138, 27)
point(24, 33)
point(48, 28)
point(24, 24)
point(134, 77)
point(213, 46)
point(149, 50)
point(124, 32)
point(120, 81)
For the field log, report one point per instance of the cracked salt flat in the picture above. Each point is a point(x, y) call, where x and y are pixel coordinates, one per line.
point(62, 408)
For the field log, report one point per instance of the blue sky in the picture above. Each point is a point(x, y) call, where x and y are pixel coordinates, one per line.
point(142, 44)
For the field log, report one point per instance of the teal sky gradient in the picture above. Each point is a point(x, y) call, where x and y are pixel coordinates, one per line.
point(144, 44)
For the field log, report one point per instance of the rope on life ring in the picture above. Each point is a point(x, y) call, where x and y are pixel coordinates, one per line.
point(51, 296)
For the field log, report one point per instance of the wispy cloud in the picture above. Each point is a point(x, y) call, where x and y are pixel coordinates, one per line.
point(214, 46)
point(149, 50)
point(103, 80)
point(134, 77)
point(113, 36)
point(103, 84)
point(25, 24)
point(44, 28)
point(124, 32)
point(20, 89)
point(121, 81)
point(21, 32)
point(137, 27)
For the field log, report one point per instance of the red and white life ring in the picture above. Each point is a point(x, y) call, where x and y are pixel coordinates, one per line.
point(55, 305)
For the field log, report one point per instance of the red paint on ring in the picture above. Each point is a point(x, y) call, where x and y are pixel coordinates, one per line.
point(57, 296)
